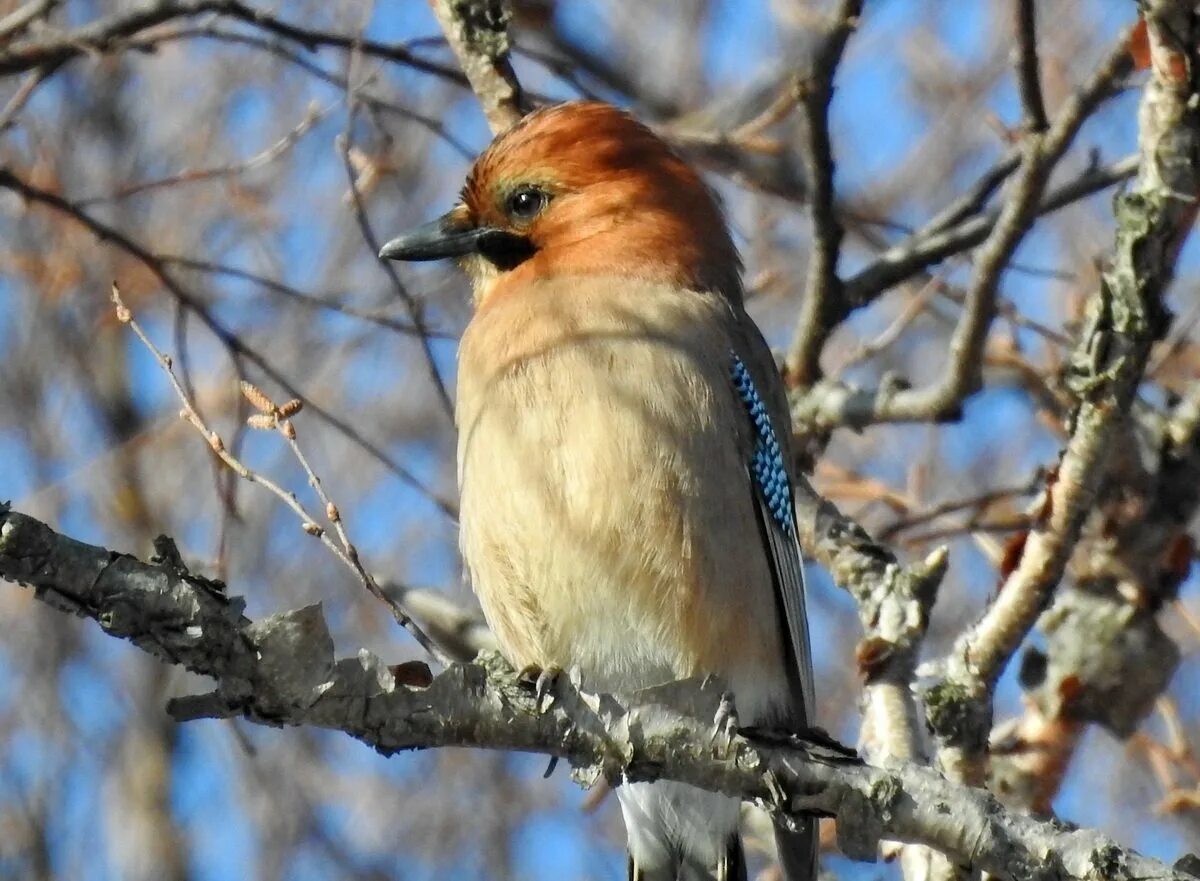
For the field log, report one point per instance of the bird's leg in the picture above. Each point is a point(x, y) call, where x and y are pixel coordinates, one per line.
point(541, 680)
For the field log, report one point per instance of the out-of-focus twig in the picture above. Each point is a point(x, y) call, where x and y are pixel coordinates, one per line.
point(23, 93)
point(159, 267)
point(414, 307)
point(1029, 78)
point(109, 33)
point(24, 16)
point(312, 116)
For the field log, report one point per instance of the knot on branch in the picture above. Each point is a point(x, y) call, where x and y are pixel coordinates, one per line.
point(484, 26)
point(956, 715)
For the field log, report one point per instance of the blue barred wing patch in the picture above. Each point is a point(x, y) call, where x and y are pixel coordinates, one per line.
point(766, 465)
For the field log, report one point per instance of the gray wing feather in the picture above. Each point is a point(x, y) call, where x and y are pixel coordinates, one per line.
point(780, 540)
point(797, 847)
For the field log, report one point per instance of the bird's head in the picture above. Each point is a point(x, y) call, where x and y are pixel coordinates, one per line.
point(580, 189)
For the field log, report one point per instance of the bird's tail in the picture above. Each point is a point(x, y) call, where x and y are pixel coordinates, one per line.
point(798, 849)
point(797, 857)
point(731, 866)
point(680, 833)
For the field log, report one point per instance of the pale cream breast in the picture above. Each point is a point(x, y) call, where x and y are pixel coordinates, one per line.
point(607, 521)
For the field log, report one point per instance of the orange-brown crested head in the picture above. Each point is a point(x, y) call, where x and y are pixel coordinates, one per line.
point(581, 189)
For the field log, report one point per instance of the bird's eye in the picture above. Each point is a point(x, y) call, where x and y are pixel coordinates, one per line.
point(525, 203)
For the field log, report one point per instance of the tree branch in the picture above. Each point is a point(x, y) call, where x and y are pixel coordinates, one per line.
point(822, 287)
point(893, 605)
point(108, 34)
point(929, 248)
point(1125, 315)
point(963, 375)
point(160, 266)
point(477, 31)
point(282, 671)
point(1029, 79)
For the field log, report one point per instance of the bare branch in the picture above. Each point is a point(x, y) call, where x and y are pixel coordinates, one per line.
point(477, 31)
point(1125, 317)
point(922, 251)
point(347, 553)
point(282, 671)
point(1040, 154)
point(1029, 80)
point(108, 34)
point(831, 403)
point(23, 16)
point(822, 287)
point(312, 115)
point(158, 266)
point(414, 307)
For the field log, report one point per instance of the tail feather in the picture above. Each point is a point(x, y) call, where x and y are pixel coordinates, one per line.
point(731, 866)
point(798, 850)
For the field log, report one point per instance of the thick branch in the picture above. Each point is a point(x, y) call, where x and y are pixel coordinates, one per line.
point(822, 288)
point(282, 671)
point(893, 604)
point(477, 31)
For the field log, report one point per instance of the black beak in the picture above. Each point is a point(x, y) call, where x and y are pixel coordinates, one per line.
point(436, 240)
point(447, 237)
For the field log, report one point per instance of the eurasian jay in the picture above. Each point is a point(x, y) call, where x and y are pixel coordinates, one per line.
point(623, 452)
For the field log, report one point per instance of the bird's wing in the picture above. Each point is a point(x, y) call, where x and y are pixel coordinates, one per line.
point(769, 467)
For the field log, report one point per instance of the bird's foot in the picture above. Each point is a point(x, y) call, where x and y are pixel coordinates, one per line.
point(541, 681)
point(725, 722)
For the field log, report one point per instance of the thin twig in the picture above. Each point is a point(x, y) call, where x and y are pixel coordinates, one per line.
point(23, 16)
point(346, 552)
point(913, 309)
point(107, 34)
point(232, 343)
point(1029, 80)
point(312, 116)
point(921, 251)
point(974, 200)
point(977, 503)
point(412, 305)
point(328, 302)
point(23, 93)
point(281, 50)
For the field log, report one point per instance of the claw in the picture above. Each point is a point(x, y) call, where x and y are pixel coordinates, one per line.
point(541, 680)
point(726, 720)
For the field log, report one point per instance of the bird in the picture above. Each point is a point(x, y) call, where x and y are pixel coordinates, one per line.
point(624, 449)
